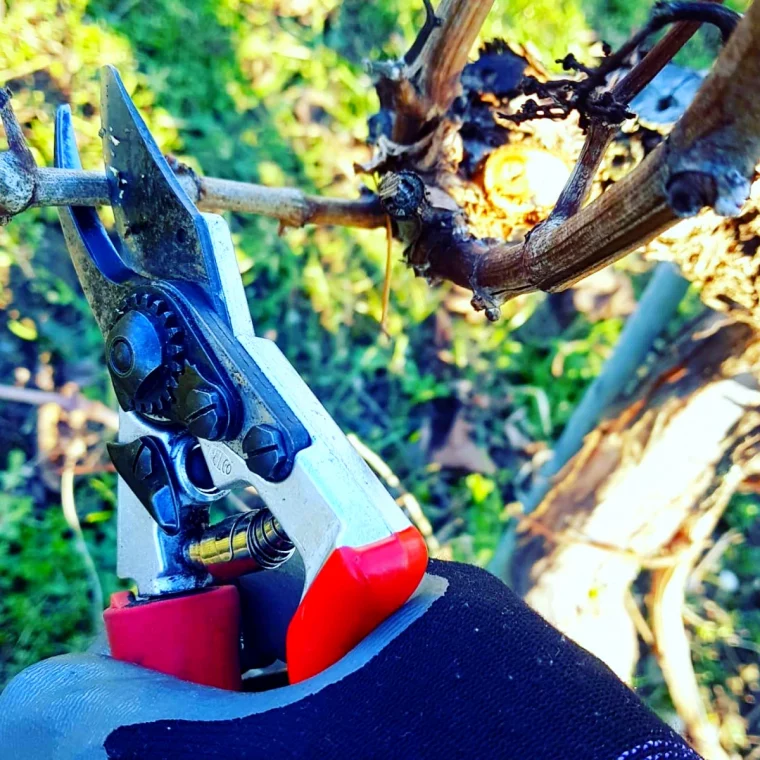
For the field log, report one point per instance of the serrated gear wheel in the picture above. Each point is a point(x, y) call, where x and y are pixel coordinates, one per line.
point(153, 393)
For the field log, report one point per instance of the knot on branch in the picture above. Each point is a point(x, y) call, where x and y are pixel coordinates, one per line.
point(432, 228)
point(402, 194)
point(16, 186)
point(483, 301)
point(715, 172)
point(724, 189)
point(17, 165)
point(403, 197)
point(689, 192)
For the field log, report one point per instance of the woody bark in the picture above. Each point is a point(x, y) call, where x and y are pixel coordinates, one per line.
point(642, 497)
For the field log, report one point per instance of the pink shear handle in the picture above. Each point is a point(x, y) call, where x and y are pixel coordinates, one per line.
point(195, 637)
point(356, 589)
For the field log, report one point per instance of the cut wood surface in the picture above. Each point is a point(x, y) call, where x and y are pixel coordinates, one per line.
point(640, 476)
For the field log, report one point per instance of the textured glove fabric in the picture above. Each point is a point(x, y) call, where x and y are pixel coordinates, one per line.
point(479, 675)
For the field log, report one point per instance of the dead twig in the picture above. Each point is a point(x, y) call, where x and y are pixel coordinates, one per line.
point(642, 626)
point(447, 48)
point(431, 23)
point(416, 92)
point(90, 469)
point(75, 402)
point(69, 507)
point(589, 96)
point(712, 557)
point(599, 135)
point(24, 185)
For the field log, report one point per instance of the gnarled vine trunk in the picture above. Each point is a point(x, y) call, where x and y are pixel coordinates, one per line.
point(643, 494)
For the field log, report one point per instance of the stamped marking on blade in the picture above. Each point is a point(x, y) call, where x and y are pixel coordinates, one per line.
point(221, 462)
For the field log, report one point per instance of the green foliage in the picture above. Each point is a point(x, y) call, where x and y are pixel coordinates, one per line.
point(552, 28)
point(44, 596)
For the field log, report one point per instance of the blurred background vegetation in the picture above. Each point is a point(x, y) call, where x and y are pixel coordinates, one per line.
point(275, 91)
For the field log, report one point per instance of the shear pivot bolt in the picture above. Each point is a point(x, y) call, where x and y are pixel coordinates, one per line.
point(207, 414)
point(265, 452)
point(122, 357)
point(135, 357)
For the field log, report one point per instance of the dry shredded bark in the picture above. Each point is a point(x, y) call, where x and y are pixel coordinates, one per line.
point(668, 584)
point(629, 500)
point(718, 255)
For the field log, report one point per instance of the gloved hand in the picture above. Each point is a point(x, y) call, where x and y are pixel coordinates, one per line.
point(465, 669)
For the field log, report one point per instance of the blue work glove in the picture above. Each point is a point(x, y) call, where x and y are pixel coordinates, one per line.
point(465, 669)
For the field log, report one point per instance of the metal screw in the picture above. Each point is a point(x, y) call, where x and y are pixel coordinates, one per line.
point(207, 414)
point(135, 354)
point(122, 357)
point(265, 453)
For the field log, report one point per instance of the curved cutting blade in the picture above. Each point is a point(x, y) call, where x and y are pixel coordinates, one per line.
point(100, 268)
point(165, 236)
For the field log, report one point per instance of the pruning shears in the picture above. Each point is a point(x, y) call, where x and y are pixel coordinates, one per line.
point(206, 406)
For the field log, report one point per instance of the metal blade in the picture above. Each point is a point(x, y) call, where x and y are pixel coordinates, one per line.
point(101, 270)
point(165, 236)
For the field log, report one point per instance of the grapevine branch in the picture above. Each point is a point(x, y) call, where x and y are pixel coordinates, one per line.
point(23, 185)
point(600, 135)
point(707, 161)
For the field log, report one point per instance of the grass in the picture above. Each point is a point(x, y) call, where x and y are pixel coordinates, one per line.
point(273, 92)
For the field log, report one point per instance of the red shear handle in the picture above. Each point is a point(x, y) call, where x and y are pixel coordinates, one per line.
point(353, 593)
point(195, 637)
